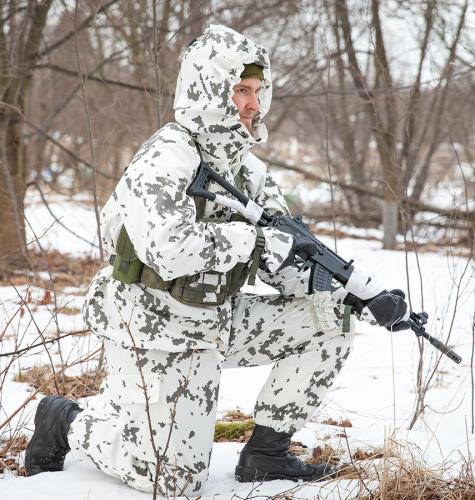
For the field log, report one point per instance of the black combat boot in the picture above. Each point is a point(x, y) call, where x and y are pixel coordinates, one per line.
point(266, 457)
point(49, 444)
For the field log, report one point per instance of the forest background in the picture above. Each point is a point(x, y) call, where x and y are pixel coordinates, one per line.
point(374, 97)
point(371, 135)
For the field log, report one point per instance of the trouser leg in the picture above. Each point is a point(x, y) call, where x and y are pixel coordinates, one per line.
point(181, 399)
point(281, 330)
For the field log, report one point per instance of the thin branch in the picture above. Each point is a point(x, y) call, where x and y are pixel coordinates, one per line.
point(89, 76)
point(374, 192)
point(40, 333)
point(46, 382)
point(89, 133)
point(77, 29)
point(55, 142)
point(356, 91)
point(42, 343)
point(58, 220)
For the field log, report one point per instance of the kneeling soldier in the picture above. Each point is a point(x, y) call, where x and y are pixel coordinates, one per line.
point(170, 309)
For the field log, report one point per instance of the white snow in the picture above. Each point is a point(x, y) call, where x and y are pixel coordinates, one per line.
point(375, 390)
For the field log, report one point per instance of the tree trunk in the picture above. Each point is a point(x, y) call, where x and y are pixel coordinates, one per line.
point(382, 111)
point(12, 192)
point(390, 223)
point(346, 131)
point(18, 51)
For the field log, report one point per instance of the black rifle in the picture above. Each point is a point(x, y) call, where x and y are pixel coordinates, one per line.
point(325, 265)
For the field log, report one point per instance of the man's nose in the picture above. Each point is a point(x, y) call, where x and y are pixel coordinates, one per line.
point(254, 103)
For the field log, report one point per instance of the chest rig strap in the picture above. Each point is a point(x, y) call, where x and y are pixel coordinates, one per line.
point(256, 256)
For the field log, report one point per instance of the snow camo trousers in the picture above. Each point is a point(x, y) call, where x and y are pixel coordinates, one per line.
point(181, 390)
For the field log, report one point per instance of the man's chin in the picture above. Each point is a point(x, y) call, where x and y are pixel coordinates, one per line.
point(249, 125)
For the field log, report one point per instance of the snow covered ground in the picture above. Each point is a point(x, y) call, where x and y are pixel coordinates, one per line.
point(375, 391)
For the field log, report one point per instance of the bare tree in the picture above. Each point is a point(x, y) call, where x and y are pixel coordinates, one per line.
point(336, 98)
point(21, 33)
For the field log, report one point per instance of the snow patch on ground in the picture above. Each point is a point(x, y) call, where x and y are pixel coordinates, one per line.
point(376, 389)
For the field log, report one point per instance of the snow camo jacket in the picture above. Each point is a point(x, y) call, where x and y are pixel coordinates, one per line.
point(160, 218)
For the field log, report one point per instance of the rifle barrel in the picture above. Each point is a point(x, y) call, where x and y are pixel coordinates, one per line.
point(419, 330)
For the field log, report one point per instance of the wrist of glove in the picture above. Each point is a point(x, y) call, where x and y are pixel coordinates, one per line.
point(388, 309)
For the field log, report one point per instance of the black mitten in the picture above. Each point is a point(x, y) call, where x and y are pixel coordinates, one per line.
point(400, 325)
point(387, 309)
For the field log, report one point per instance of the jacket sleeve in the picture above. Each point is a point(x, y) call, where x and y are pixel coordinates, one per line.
point(160, 219)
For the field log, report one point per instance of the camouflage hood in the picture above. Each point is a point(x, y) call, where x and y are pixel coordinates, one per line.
point(211, 67)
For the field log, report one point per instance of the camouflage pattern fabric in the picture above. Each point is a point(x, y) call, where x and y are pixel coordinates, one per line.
point(182, 388)
point(179, 348)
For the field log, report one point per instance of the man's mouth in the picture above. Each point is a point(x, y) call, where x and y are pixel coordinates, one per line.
point(248, 121)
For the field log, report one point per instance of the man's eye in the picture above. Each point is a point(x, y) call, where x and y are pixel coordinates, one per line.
point(242, 91)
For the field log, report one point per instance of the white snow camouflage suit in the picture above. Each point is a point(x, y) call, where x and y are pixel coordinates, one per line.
point(179, 350)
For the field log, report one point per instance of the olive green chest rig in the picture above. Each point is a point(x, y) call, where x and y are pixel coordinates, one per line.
point(203, 288)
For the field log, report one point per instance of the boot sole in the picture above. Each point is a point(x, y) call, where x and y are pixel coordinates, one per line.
point(32, 470)
point(252, 475)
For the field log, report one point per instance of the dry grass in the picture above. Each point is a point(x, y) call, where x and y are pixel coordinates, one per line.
point(9, 451)
point(412, 480)
point(73, 387)
point(238, 432)
point(392, 473)
point(396, 473)
point(341, 423)
point(325, 454)
point(235, 426)
point(64, 269)
point(236, 416)
point(366, 455)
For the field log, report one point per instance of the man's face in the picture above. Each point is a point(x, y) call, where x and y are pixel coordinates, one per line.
point(245, 97)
